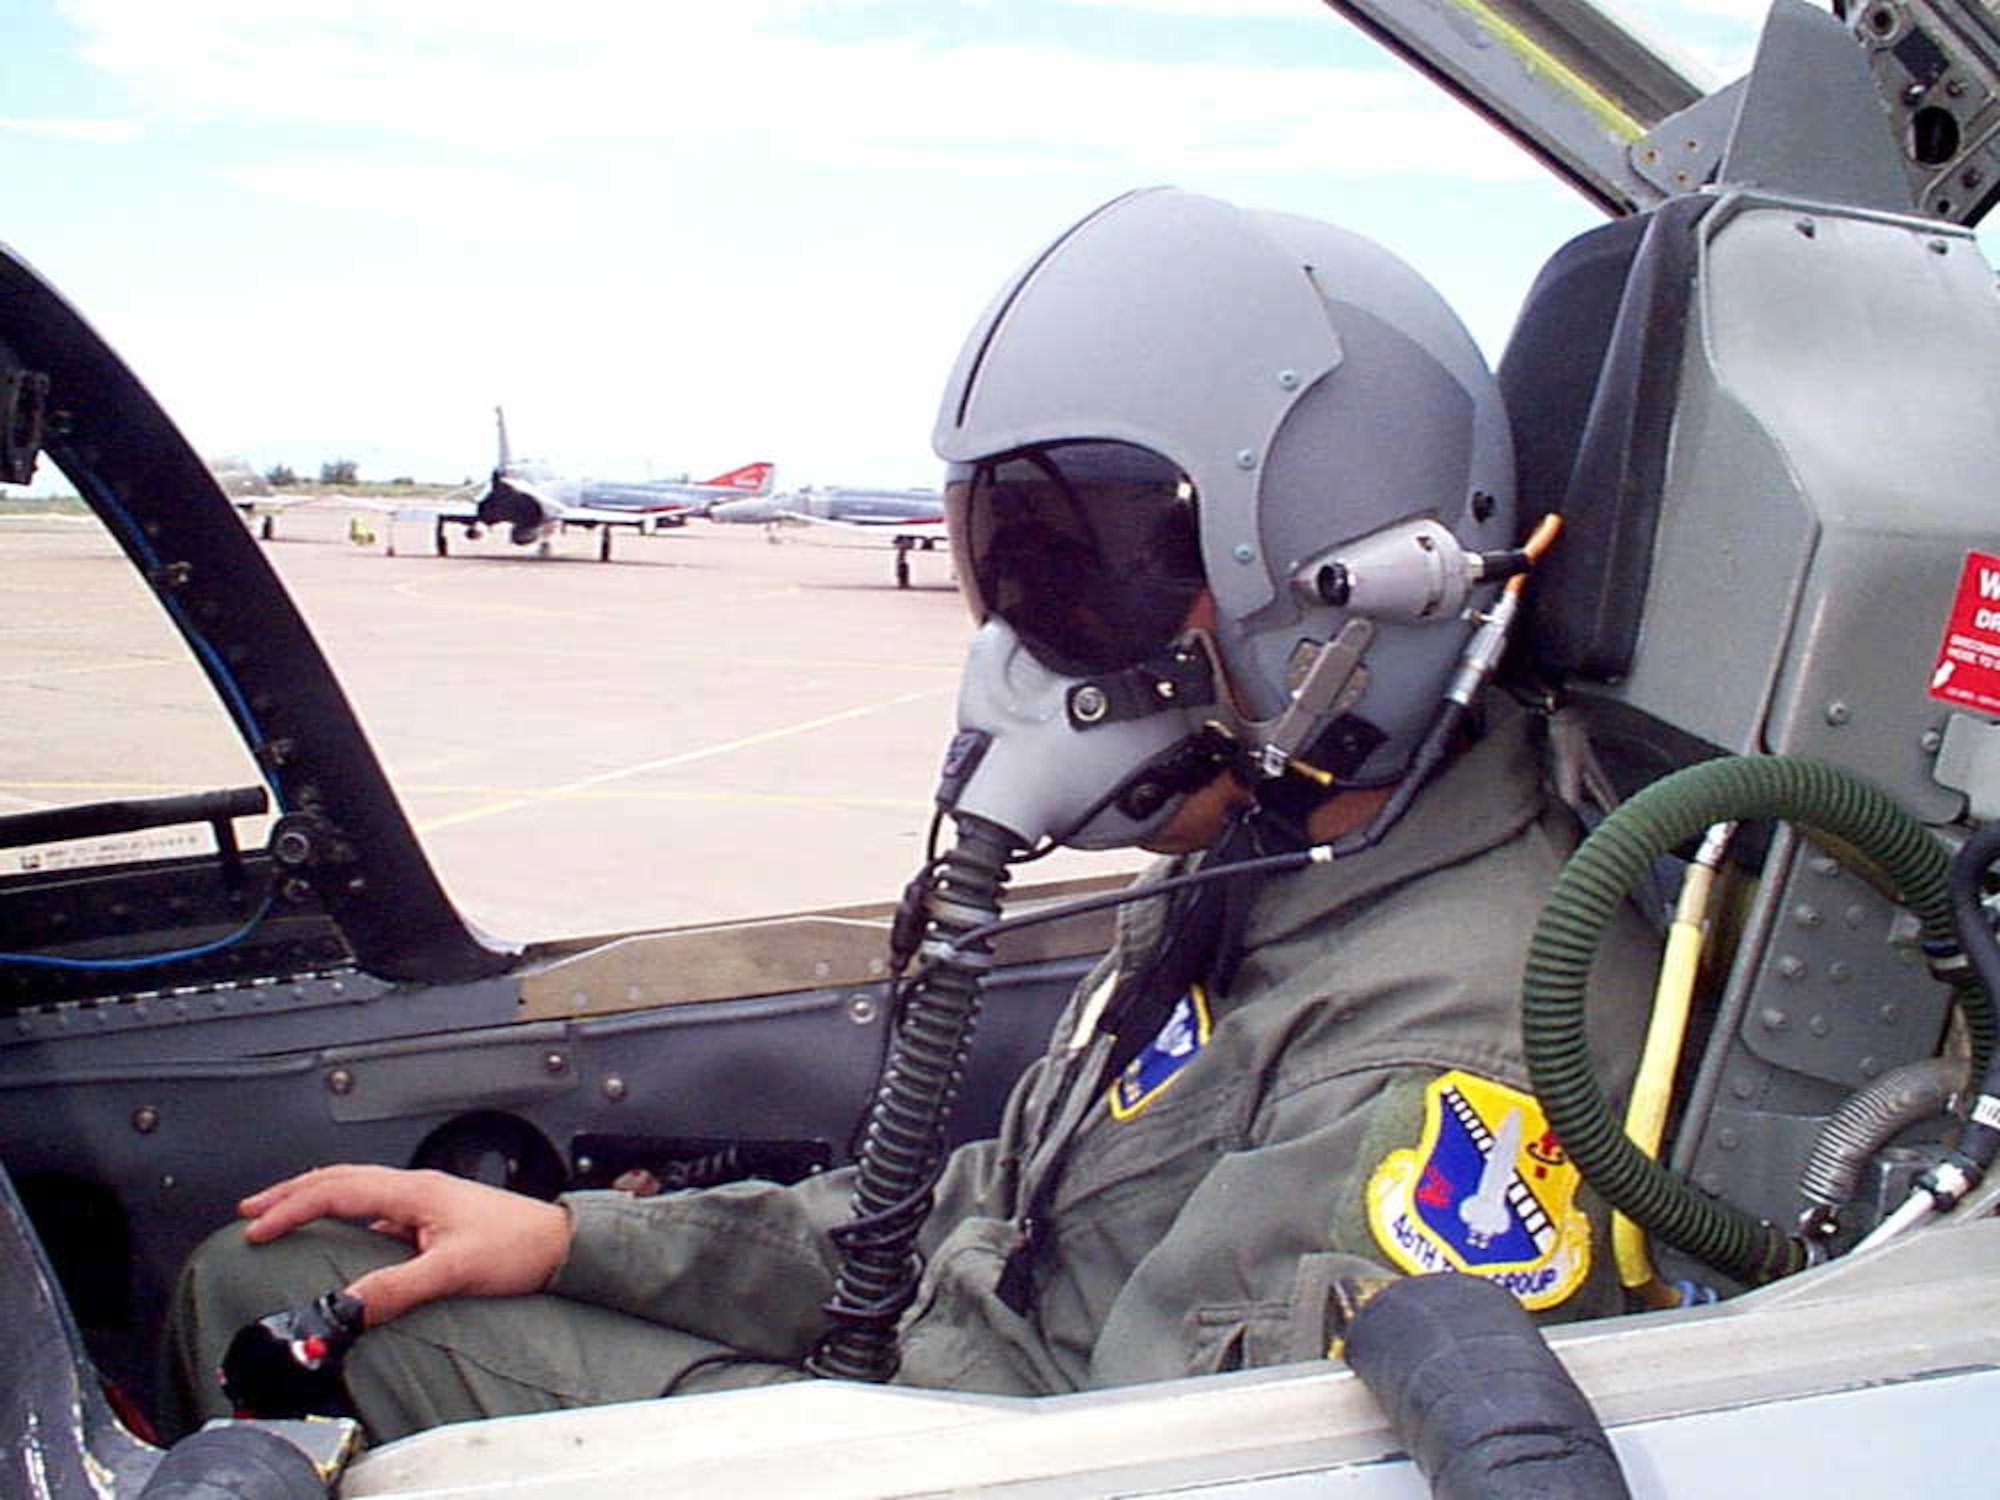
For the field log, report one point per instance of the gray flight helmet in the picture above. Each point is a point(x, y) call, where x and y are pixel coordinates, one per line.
point(1319, 395)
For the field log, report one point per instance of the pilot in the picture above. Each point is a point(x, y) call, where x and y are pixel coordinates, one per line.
point(1226, 488)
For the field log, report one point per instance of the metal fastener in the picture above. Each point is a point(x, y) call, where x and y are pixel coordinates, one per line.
point(555, 1062)
point(614, 1088)
point(861, 1010)
point(1288, 380)
point(145, 1119)
point(1246, 458)
point(340, 1081)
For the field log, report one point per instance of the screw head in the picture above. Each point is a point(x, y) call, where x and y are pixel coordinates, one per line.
point(1288, 380)
point(1245, 459)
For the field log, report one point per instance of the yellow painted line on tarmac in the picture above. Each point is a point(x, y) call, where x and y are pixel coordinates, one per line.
point(685, 757)
point(523, 796)
point(663, 655)
point(410, 589)
point(101, 666)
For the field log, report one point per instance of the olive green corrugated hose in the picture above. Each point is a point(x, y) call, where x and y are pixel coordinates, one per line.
point(1821, 800)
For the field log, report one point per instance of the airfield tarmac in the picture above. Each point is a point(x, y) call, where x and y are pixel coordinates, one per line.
point(713, 726)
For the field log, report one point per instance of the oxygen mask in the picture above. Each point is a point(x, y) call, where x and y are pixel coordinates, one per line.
point(1085, 694)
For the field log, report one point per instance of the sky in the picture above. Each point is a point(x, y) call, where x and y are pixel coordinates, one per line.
point(672, 238)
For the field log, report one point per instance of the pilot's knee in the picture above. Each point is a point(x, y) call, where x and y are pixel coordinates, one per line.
point(228, 1281)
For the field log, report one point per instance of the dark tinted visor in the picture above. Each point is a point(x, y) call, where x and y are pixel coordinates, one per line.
point(1090, 550)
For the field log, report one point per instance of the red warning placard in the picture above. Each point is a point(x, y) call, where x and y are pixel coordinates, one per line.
point(1967, 671)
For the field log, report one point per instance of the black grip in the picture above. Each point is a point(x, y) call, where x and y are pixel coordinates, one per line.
point(289, 1364)
point(1476, 1396)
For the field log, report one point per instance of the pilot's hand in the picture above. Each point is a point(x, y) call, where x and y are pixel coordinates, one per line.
point(471, 1239)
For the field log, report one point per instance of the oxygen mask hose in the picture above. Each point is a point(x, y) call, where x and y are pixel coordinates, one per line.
point(903, 1142)
point(1820, 799)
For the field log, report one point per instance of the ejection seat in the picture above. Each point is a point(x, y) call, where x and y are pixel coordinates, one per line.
point(1769, 412)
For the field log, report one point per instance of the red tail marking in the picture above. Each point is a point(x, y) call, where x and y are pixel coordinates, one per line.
point(755, 478)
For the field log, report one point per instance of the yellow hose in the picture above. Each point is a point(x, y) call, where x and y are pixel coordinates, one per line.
point(1653, 1088)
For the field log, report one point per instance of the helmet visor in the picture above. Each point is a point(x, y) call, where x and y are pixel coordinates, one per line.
point(1090, 550)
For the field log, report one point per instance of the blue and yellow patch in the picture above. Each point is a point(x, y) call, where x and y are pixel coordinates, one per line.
point(1488, 1190)
point(1179, 1043)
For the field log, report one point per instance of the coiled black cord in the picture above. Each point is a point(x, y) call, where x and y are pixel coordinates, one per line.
point(902, 1145)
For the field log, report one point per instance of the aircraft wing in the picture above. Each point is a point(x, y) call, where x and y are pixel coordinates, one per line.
point(875, 525)
point(643, 518)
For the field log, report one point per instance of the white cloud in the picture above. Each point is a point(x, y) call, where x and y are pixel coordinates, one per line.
point(524, 78)
point(1282, 9)
point(100, 132)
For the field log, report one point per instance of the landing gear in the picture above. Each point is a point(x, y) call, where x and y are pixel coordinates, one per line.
point(443, 547)
point(604, 544)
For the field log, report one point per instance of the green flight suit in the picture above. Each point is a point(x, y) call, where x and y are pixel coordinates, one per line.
point(1190, 1214)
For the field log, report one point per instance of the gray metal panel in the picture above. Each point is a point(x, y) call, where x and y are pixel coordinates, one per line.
point(1804, 312)
point(1811, 125)
point(1734, 539)
point(1818, 510)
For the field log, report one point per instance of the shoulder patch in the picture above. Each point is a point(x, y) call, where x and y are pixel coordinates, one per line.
point(1487, 1190)
point(1179, 1043)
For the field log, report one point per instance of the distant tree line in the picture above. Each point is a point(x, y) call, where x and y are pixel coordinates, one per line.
point(333, 471)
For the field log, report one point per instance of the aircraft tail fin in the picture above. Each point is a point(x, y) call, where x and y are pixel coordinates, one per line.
point(751, 479)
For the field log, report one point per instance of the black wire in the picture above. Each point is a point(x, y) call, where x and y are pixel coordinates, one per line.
point(1966, 879)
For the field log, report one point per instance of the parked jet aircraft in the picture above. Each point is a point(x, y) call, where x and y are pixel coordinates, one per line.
point(913, 519)
point(1766, 398)
point(535, 502)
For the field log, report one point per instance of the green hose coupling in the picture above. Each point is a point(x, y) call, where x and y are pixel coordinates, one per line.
point(1820, 799)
